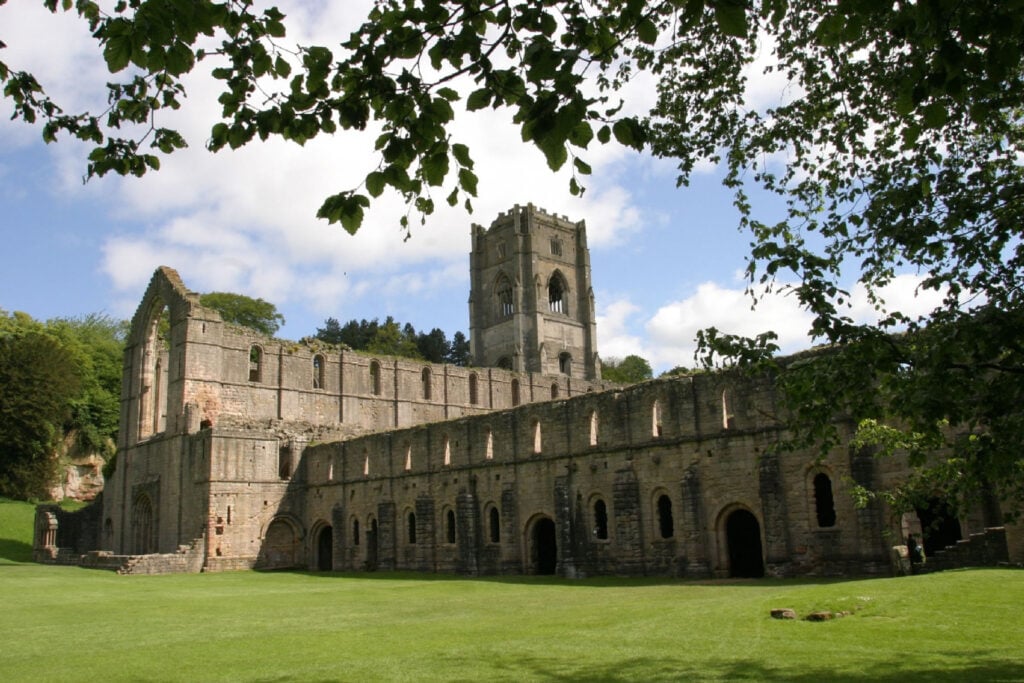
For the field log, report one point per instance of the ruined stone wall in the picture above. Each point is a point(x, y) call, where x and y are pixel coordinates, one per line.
point(554, 461)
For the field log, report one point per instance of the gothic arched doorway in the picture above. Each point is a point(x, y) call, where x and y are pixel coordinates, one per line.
point(325, 549)
point(543, 547)
point(743, 538)
point(143, 526)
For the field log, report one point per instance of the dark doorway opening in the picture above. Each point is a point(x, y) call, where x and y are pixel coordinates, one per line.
point(939, 526)
point(743, 536)
point(544, 547)
point(325, 550)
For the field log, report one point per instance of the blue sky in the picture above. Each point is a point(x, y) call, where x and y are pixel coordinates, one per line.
point(665, 261)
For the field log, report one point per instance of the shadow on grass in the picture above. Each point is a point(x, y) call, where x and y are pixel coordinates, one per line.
point(549, 580)
point(14, 551)
point(668, 669)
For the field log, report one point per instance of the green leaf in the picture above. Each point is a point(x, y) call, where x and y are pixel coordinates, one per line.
point(582, 166)
point(375, 183)
point(731, 16)
point(478, 99)
point(647, 31)
point(604, 135)
point(468, 181)
point(461, 153)
point(628, 132)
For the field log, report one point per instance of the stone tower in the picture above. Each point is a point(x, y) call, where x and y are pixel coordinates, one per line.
point(531, 305)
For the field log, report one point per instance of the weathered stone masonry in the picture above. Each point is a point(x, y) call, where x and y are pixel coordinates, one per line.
point(240, 451)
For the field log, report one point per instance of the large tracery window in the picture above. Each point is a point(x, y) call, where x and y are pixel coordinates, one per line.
point(557, 294)
point(503, 294)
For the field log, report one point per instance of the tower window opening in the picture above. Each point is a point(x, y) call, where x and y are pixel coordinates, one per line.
point(318, 371)
point(824, 502)
point(255, 364)
point(556, 294)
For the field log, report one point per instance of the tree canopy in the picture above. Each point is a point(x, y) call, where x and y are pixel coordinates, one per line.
point(60, 377)
point(894, 139)
point(628, 370)
point(246, 311)
point(394, 339)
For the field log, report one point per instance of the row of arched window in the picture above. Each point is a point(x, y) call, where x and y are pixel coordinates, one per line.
point(504, 298)
point(450, 528)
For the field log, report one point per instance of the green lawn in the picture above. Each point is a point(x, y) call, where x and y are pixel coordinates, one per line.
point(64, 623)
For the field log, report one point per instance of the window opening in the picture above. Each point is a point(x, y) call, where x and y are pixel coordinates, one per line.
point(656, 419)
point(556, 294)
point(824, 502)
point(501, 249)
point(666, 527)
point(411, 528)
point(366, 465)
point(503, 292)
point(447, 450)
point(489, 452)
point(494, 524)
point(593, 428)
point(556, 246)
point(727, 417)
point(408, 457)
point(449, 526)
point(375, 378)
point(426, 383)
point(554, 390)
point(515, 392)
point(318, 372)
point(536, 437)
point(255, 364)
point(505, 363)
point(473, 397)
point(284, 462)
point(565, 363)
point(600, 520)
point(355, 532)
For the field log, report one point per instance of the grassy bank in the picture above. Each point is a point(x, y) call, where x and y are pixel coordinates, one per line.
point(63, 623)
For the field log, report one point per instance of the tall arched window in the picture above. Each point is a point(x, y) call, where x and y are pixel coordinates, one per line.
point(656, 419)
point(410, 528)
point(824, 503)
point(426, 383)
point(557, 299)
point(408, 457)
point(284, 462)
point(489, 450)
point(554, 390)
point(447, 450)
point(600, 520)
point(593, 427)
point(375, 378)
point(536, 437)
point(565, 363)
point(666, 526)
point(318, 371)
point(255, 364)
point(449, 526)
point(474, 398)
point(515, 392)
point(494, 525)
point(503, 296)
point(727, 417)
point(355, 532)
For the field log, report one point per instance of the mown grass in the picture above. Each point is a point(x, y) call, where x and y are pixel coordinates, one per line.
point(63, 623)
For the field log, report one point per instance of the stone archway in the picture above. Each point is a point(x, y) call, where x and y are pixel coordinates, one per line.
point(325, 549)
point(143, 526)
point(280, 546)
point(743, 539)
point(543, 547)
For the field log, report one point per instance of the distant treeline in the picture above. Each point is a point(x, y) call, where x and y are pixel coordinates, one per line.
point(394, 339)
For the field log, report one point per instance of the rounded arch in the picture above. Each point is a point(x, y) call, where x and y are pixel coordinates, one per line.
point(322, 549)
point(450, 527)
point(492, 518)
point(474, 397)
point(426, 378)
point(600, 514)
point(542, 545)
point(740, 544)
point(820, 497)
point(375, 383)
point(410, 525)
point(664, 515)
point(281, 544)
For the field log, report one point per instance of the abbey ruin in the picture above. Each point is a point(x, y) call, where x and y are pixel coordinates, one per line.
point(239, 451)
